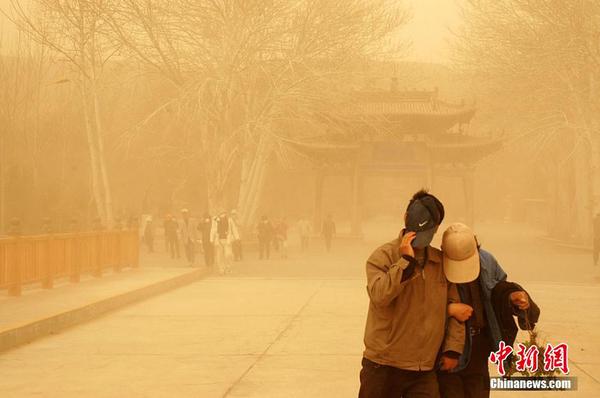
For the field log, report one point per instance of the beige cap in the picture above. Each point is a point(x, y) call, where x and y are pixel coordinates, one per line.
point(461, 257)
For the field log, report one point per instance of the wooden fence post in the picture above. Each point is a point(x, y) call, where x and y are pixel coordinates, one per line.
point(75, 273)
point(117, 251)
point(135, 247)
point(14, 277)
point(97, 254)
point(42, 259)
point(49, 262)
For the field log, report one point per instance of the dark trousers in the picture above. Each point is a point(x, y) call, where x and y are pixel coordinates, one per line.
point(381, 381)
point(173, 246)
point(209, 253)
point(236, 248)
point(304, 243)
point(149, 243)
point(328, 242)
point(264, 248)
point(190, 251)
point(474, 380)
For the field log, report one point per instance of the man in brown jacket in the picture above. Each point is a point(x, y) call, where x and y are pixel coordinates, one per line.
point(408, 332)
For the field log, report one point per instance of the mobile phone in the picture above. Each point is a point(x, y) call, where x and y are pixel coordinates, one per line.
point(413, 241)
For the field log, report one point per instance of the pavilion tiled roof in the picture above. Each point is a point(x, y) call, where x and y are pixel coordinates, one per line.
point(404, 112)
point(396, 120)
point(413, 101)
point(408, 107)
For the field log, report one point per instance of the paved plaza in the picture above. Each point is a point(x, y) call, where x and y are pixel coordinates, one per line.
point(272, 329)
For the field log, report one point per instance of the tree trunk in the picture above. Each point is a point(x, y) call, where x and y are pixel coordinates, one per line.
point(595, 173)
point(2, 182)
point(581, 199)
point(253, 176)
point(215, 184)
point(108, 205)
point(93, 151)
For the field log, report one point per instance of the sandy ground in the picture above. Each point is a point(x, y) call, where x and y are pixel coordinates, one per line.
point(285, 328)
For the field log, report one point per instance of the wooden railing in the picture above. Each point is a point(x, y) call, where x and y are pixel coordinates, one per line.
point(26, 260)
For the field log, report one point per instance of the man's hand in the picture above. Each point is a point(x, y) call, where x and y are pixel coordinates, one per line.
point(520, 300)
point(460, 311)
point(405, 244)
point(447, 363)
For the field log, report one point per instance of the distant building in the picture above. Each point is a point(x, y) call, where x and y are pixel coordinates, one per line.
point(393, 133)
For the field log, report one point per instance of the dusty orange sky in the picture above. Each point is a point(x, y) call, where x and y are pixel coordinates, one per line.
point(429, 29)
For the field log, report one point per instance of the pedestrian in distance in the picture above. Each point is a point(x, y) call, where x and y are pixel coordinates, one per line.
point(171, 228)
point(149, 235)
point(596, 243)
point(236, 245)
point(304, 230)
point(265, 234)
point(282, 237)
point(223, 234)
point(205, 228)
point(328, 231)
point(188, 229)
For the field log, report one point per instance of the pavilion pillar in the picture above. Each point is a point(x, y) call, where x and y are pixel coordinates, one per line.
point(432, 180)
point(469, 192)
point(429, 171)
point(318, 206)
point(357, 185)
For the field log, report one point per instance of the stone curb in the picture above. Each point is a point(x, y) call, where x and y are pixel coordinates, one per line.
point(15, 336)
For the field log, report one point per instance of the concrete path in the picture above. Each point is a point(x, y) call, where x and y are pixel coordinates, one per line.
point(38, 303)
point(39, 312)
point(215, 338)
point(250, 337)
point(283, 328)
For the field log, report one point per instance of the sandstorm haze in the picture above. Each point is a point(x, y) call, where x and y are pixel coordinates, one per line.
point(145, 108)
point(130, 129)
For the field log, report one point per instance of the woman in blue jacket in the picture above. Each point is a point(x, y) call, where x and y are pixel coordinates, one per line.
point(488, 305)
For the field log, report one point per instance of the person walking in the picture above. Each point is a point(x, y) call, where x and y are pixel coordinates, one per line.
point(188, 230)
point(282, 237)
point(596, 245)
point(265, 233)
point(407, 324)
point(275, 240)
point(222, 235)
point(171, 230)
point(304, 230)
point(488, 304)
point(149, 235)
point(236, 245)
point(328, 231)
point(205, 227)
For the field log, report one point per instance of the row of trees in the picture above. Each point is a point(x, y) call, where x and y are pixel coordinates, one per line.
point(200, 91)
point(540, 61)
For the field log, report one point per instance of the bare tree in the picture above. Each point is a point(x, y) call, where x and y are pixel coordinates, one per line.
point(21, 76)
point(242, 71)
point(540, 59)
point(75, 31)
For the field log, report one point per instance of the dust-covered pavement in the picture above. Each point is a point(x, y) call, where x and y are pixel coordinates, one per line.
point(520, 249)
point(219, 337)
point(282, 328)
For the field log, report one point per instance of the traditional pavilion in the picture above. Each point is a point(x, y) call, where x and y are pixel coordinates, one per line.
point(393, 132)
